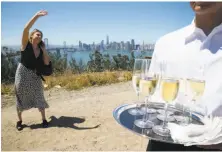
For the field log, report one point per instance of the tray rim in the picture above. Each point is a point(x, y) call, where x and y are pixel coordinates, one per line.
point(195, 115)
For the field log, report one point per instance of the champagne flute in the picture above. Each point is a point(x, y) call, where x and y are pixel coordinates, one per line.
point(137, 70)
point(196, 85)
point(184, 119)
point(170, 87)
point(147, 88)
point(202, 70)
point(196, 89)
point(165, 69)
point(148, 85)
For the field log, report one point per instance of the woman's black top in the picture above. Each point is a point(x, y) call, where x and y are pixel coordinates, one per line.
point(29, 60)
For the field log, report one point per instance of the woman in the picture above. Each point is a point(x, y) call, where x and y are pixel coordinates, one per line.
point(28, 84)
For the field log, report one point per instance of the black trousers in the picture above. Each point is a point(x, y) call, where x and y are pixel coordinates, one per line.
point(161, 146)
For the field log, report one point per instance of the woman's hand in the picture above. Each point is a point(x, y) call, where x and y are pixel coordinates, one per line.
point(43, 46)
point(41, 13)
point(46, 58)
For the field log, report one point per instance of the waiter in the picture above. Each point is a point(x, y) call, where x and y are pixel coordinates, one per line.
point(199, 43)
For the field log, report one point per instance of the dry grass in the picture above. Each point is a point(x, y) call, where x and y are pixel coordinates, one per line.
point(78, 81)
point(7, 89)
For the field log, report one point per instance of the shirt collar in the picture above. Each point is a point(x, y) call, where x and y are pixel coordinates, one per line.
point(193, 30)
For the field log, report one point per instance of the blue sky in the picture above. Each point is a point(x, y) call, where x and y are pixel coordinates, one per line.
point(92, 21)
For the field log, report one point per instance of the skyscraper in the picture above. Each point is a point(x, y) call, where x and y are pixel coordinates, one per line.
point(102, 45)
point(143, 48)
point(93, 46)
point(65, 48)
point(127, 45)
point(122, 45)
point(64, 44)
point(107, 40)
point(132, 44)
point(80, 45)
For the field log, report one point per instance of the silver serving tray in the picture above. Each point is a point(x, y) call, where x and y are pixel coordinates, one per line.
point(126, 120)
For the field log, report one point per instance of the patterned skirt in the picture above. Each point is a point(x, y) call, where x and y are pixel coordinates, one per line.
point(28, 89)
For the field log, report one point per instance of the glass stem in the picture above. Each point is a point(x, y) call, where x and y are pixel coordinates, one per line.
point(160, 77)
point(208, 115)
point(165, 115)
point(211, 117)
point(192, 102)
point(194, 98)
point(159, 83)
point(184, 111)
point(190, 118)
point(138, 97)
point(146, 109)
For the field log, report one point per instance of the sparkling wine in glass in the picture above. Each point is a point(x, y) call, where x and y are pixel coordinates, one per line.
point(170, 87)
point(197, 88)
point(137, 73)
point(147, 87)
point(136, 82)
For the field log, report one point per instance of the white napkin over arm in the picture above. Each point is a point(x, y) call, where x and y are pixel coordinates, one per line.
point(208, 134)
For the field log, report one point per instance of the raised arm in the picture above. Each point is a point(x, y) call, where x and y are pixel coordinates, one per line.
point(25, 35)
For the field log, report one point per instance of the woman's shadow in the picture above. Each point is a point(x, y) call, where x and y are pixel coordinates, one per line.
point(64, 121)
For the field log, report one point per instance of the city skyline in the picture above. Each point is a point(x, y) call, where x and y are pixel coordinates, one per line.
point(103, 45)
point(91, 22)
point(113, 45)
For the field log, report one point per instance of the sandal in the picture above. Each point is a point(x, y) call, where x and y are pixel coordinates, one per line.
point(45, 124)
point(19, 125)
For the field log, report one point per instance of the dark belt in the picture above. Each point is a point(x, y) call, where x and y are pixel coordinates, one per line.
point(40, 76)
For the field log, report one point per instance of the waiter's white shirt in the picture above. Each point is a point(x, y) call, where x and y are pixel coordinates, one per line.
point(184, 51)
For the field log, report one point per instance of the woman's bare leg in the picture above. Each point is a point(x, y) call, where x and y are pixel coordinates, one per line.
point(19, 113)
point(42, 113)
point(44, 121)
point(19, 123)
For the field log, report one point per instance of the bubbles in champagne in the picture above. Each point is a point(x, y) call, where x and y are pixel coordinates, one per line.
point(169, 89)
point(197, 86)
point(136, 82)
point(148, 85)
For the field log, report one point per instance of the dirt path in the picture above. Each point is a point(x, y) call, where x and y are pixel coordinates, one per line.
point(94, 104)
